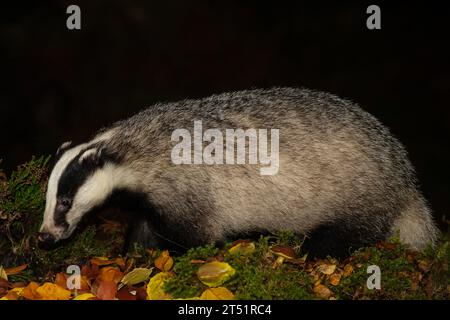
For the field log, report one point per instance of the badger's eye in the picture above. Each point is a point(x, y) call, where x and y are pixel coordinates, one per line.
point(63, 204)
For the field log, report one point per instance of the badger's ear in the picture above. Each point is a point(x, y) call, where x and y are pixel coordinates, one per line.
point(63, 147)
point(92, 156)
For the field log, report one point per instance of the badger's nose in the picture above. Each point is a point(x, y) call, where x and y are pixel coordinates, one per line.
point(45, 238)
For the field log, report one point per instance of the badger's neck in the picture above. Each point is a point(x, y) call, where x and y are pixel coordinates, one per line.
point(118, 177)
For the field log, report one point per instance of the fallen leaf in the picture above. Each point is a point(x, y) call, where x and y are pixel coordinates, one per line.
point(424, 265)
point(348, 270)
point(335, 279)
point(326, 268)
point(84, 296)
point(242, 248)
point(30, 293)
point(102, 261)
point(15, 270)
point(215, 273)
point(135, 276)
point(125, 294)
point(197, 261)
point(3, 274)
point(50, 291)
point(11, 295)
point(164, 262)
point(155, 289)
point(322, 291)
point(220, 293)
point(106, 290)
point(110, 274)
point(61, 280)
point(120, 262)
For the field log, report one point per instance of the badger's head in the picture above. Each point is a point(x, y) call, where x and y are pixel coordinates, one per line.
point(81, 179)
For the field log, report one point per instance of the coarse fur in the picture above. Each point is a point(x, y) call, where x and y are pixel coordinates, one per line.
point(344, 180)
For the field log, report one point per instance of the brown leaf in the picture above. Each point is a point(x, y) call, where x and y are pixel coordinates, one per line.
point(16, 270)
point(106, 290)
point(322, 291)
point(124, 294)
point(197, 261)
point(424, 265)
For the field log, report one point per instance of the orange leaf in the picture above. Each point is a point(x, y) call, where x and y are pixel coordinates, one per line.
point(335, 279)
point(61, 280)
point(50, 291)
point(102, 261)
point(164, 261)
point(110, 274)
point(12, 295)
point(15, 270)
point(107, 290)
point(30, 293)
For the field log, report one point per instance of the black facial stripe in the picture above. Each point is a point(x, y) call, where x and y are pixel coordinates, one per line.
point(71, 180)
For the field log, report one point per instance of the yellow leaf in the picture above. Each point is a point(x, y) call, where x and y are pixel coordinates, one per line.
point(84, 296)
point(3, 274)
point(50, 291)
point(243, 248)
point(326, 268)
point(164, 261)
point(155, 289)
point(348, 269)
point(215, 273)
point(15, 270)
point(220, 293)
point(135, 276)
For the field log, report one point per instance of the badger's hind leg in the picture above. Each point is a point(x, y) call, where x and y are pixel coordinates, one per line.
point(339, 238)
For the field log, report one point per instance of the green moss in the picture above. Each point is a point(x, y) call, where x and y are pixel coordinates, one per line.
point(185, 284)
point(404, 274)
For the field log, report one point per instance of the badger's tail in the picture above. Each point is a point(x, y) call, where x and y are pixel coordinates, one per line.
point(415, 224)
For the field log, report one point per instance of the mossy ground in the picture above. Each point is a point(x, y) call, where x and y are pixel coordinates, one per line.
point(404, 274)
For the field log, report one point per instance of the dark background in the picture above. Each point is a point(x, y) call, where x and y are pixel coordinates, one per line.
point(60, 85)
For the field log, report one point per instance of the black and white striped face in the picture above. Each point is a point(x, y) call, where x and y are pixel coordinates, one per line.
point(80, 181)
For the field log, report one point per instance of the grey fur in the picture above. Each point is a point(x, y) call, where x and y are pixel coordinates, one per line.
point(338, 164)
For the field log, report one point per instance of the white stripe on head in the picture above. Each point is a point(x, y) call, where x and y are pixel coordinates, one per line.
point(97, 188)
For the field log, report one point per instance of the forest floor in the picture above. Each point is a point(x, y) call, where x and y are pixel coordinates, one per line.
point(272, 267)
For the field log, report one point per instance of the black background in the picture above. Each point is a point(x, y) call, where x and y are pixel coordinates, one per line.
point(60, 85)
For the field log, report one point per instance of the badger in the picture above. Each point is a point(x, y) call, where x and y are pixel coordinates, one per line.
point(343, 180)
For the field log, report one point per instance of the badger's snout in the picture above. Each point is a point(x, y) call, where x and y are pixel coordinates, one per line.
point(45, 239)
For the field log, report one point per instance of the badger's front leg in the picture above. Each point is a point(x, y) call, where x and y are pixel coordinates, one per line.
point(140, 231)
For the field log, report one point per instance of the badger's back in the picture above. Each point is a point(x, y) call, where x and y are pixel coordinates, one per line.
point(343, 178)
